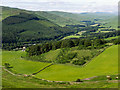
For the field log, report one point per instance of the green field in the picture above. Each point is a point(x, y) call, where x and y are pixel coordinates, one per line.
point(104, 64)
point(71, 36)
point(19, 64)
point(110, 38)
point(74, 36)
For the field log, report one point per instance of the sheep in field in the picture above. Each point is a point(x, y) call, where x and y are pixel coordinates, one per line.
point(25, 75)
point(109, 78)
point(116, 77)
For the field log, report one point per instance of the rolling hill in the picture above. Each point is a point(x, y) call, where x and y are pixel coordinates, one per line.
point(60, 20)
point(65, 18)
point(106, 19)
point(83, 16)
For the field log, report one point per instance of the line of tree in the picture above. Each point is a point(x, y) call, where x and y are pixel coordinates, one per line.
point(46, 47)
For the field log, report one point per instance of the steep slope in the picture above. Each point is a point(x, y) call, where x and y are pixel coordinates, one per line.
point(28, 27)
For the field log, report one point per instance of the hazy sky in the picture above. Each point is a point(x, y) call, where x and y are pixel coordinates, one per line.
point(76, 6)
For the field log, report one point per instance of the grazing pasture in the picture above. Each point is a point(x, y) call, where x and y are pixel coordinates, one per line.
point(104, 64)
point(19, 64)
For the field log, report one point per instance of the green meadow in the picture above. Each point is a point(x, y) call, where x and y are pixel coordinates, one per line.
point(19, 64)
point(104, 64)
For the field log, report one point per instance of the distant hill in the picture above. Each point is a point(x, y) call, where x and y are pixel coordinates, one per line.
point(83, 16)
point(60, 20)
point(112, 22)
point(104, 18)
point(65, 18)
point(26, 27)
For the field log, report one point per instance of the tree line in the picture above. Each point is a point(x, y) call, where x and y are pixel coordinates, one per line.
point(46, 47)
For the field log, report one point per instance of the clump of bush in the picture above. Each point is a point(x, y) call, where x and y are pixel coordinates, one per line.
point(7, 65)
point(65, 57)
point(78, 80)
point(77, 61)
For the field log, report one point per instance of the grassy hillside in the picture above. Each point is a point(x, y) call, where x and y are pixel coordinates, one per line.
point(112, 22)
point(67, 55)
point(104, 64)
point(60, 20)
point(52, 55)
point(19, 64)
